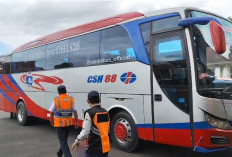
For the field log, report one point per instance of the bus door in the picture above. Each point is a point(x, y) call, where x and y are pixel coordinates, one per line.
point(170, 89)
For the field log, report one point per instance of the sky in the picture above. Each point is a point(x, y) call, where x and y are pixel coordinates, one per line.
point(24, 20)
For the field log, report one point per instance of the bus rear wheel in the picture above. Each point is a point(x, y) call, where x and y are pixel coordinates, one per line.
point(22, 117)
point(123, 132)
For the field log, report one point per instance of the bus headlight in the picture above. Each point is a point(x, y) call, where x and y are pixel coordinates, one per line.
point(218, 123)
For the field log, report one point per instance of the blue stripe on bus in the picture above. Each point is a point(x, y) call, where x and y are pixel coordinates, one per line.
point(14, 82)
point(202, 125)
point(197, 125)
point(133, 28)
point(8, 98)
point(30, 114)
point(204, 150)
point(6, 84)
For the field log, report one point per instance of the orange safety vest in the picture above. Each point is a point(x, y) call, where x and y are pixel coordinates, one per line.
point(101, 120)
point(64, 109)
point(98, 140)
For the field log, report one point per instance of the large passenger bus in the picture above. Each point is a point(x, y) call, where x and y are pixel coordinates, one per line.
point(164, 76)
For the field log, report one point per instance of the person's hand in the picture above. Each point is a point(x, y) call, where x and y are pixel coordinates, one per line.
point(52, 122)
point(76, 125)
point(52, 119)
point(75, 144)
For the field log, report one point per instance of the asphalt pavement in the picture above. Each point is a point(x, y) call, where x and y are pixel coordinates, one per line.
point(40, 140)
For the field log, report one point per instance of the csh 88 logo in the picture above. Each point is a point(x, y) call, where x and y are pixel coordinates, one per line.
point(101, 78)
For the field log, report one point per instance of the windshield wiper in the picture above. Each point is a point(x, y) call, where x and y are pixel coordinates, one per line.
point(227, 90)
point(219, 93)
point(227, 93)
point(211, 89)
point(211, 92)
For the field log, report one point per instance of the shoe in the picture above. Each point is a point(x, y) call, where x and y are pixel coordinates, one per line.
point(58, 155)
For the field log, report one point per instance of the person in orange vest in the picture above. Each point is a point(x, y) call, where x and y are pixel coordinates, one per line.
point(62, 110)
point(95, 128)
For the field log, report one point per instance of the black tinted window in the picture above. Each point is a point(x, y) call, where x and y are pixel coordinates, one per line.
point(20, 62)
point(88, 50)
point(145, 30)
point(36, 59)
point(7, 65)
point(164, 24)
point(116, 46)
point(57, 54)
point(2, 59)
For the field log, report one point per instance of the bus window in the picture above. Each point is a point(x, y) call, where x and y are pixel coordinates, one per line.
point(158, 26)
point(36, 59)
point(165, 24)
point(20, 62)
point(2, 59)
point(169, 49)
point(116, 46)
point(57, 55)
point(145, 30)
point(7, 65)
point(88, 52)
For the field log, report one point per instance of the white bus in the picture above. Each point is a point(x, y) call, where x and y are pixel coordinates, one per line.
point(164, 76)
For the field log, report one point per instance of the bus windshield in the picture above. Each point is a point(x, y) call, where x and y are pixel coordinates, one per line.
point(214, 71)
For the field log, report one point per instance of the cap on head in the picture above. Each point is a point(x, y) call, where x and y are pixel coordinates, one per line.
point(93, 97)
point(61, 89)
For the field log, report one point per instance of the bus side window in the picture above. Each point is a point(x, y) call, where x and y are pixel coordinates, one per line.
point(57, 56)
point(7, 65)
point(20, 62)
point(116, 45)
point(36, 59)
point(2, 59)
point(146, 31)
point(88, 51)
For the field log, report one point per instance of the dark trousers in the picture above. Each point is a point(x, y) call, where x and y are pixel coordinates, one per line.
point(62, 133)
point(92, 155)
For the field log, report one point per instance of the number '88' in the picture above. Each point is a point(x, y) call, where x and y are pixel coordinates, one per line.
point(111, 78)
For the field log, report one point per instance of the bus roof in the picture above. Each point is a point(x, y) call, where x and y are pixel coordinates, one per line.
point(80, 30)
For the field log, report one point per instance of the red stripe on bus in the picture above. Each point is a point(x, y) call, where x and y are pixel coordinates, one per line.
point(182, 137)
point(145, 134)
point(206, 135)
point(80, 29)
point(176, 137)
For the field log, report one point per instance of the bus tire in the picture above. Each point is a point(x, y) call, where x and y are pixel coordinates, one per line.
point(22, 117)
point(123, 132)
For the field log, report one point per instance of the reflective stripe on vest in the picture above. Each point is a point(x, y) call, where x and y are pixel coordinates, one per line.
point(64, 110)
point(102, 122)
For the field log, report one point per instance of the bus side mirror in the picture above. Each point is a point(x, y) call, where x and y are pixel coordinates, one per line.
point(218, 37)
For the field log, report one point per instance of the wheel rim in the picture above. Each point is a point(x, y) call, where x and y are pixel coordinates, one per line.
point(122, 130)
point(20, 114)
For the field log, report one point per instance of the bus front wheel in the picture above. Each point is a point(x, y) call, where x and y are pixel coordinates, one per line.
point(22, 117)
point(123, 132)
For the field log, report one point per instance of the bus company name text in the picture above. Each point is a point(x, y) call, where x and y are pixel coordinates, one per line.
point(126, 78)
point(102, 78)
point(54, 50)
point(108, 60)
